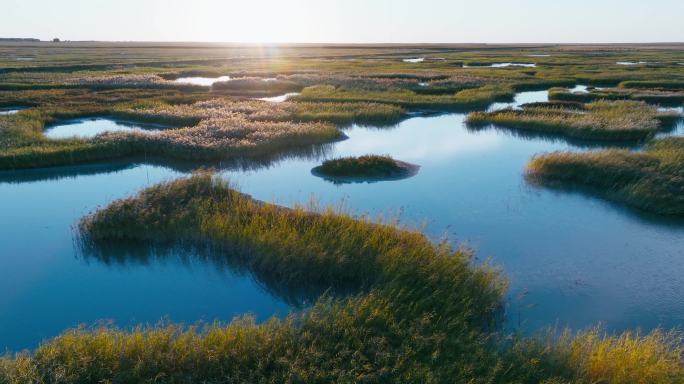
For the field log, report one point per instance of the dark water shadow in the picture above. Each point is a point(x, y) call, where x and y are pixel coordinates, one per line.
point(314, 152)
point(296, 291)
point(529, 135)
point(63, 172)
point(635, 213)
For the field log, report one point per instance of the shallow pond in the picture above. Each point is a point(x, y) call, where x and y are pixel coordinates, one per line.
point(90, 127)
point(572, 259)
point(203, 81)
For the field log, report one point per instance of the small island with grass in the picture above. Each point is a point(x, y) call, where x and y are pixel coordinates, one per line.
point(601, 120)
point(367, 168)
point(651, 180)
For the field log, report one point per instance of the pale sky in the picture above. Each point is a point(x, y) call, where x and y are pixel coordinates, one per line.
point(347, 21)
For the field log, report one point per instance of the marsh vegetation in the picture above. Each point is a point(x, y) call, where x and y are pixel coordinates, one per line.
point(420, 312)
point(397, 306)
point(365, 168)
point(651, 180)
point(601, 120)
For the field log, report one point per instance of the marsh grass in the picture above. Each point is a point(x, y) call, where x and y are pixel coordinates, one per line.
point(256, 87)
point(600, 357)
point(409, 99)
point(676, 85)
point(207, 127)
point(650, 95)
point(367, 167)
point(601, 120)
point(213, 129)
point(651, 180)
point(422, 312)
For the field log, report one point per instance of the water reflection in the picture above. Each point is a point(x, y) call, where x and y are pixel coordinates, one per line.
point(313, 152)
point(234, 263)
point(202, 81)
point(520, 99)
point(91, 127)
point(632, 63)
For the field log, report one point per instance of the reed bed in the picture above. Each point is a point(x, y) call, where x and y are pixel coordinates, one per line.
point(407, 98)
point(601, 120)
point(212, 129)
point(651, 180)
point(256, 110)
point(120, 81)
point(247, 86)
point(649, 95)
point(676, 85)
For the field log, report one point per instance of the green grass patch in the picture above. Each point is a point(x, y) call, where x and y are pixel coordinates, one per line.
point(409, 99)
point(651, 180)
point(601, 120)
point(256, 87)
point(368, 167)
point(677, 85)
point(654, 96)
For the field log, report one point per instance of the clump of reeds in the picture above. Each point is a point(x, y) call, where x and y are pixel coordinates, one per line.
point(409, 98)
point(256, 86)
point(601, 120)
point(212, 129)
point(365, 167)
point(635, 92)
point(677, 85)
point(650, 180)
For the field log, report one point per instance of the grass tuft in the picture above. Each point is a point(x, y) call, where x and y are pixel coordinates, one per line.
point(601, 120)
point(365, 167)
point(651, 180)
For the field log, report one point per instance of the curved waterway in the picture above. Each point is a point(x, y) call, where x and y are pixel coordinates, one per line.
point(572, 259)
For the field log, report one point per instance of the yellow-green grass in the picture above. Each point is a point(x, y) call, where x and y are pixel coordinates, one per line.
point(601, 120)
point(367, 167)
point(256, 86)
point(213, 129)
point(417, 313)
point(677, 85)
point(651, 180)
point(24, 146)
point(650, 95)
point(409, 99)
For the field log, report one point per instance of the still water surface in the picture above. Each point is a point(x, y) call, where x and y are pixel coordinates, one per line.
point(572, 259)
point(90, 127)
point(203, 81)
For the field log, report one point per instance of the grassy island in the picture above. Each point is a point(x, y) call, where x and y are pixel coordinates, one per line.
point(601, 120)
point(365, 168)
point(628, 90)
point(418, 312)
point(651, 180)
